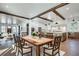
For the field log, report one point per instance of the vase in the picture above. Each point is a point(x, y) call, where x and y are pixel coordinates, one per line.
point(33, 37)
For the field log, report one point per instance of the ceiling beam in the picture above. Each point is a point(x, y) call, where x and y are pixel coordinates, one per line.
point(46, 19)
point(60, 5)
point(56, 7)
point(58, 14)
point(13, 15)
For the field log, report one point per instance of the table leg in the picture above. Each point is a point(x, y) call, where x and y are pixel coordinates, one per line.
point(37, 50)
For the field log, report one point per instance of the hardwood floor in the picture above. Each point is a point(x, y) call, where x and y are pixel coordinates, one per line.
point(5, 43)
point(70, 46)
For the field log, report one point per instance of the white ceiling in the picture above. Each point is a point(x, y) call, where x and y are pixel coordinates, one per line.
point(70, 10)
point(32, 9)
point(52, 16)
point(26, 9)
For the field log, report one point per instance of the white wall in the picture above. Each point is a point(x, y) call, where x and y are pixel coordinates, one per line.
point(35, 23)
point(8, 18)
point(32, 24)
point(23, 25)
point(72, 26)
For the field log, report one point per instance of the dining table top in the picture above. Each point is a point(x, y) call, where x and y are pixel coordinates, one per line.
point(36, 40)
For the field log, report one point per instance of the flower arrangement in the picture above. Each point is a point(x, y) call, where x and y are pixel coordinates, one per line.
point(34, 34)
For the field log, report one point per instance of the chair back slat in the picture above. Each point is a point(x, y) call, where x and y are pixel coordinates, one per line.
point(57, 41)
point(20, 46)
point(14, 37)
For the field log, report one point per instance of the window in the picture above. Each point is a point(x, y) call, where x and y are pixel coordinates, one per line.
point(3, 29)
point(9, 21)
point(14, 29)
point(3, 20)
point(14, 21)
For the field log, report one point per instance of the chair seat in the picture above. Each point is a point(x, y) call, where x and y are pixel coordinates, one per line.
point(25, 46)
point(26, 50)
point(49, 50)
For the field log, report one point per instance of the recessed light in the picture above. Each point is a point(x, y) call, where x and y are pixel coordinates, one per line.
point(70, 15)
point(7, 6)
point(67, 8)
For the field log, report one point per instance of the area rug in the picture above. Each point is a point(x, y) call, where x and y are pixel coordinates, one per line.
point(5, 51)
point(62, 53)
point(12, 52)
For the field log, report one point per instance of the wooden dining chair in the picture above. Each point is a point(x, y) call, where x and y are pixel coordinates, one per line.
point(23, 41)
point(55, 49)
point(15, 40)
point(20, 47)
point(14, 37)
point(23, 49)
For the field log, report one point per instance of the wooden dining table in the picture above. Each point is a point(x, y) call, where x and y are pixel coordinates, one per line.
point(37, 42)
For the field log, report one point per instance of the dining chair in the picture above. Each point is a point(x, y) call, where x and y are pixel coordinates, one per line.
point(14, 37)
point(15, 45)
point(23, 41)
point(55, 49)
point(23, 49)
point(20, 47)
point(15, 41)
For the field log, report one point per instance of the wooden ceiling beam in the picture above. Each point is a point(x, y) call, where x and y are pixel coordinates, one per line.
point(58, 14)
point(46, 19)
point(56, 7)
point(60, 5)
point(13, 15)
